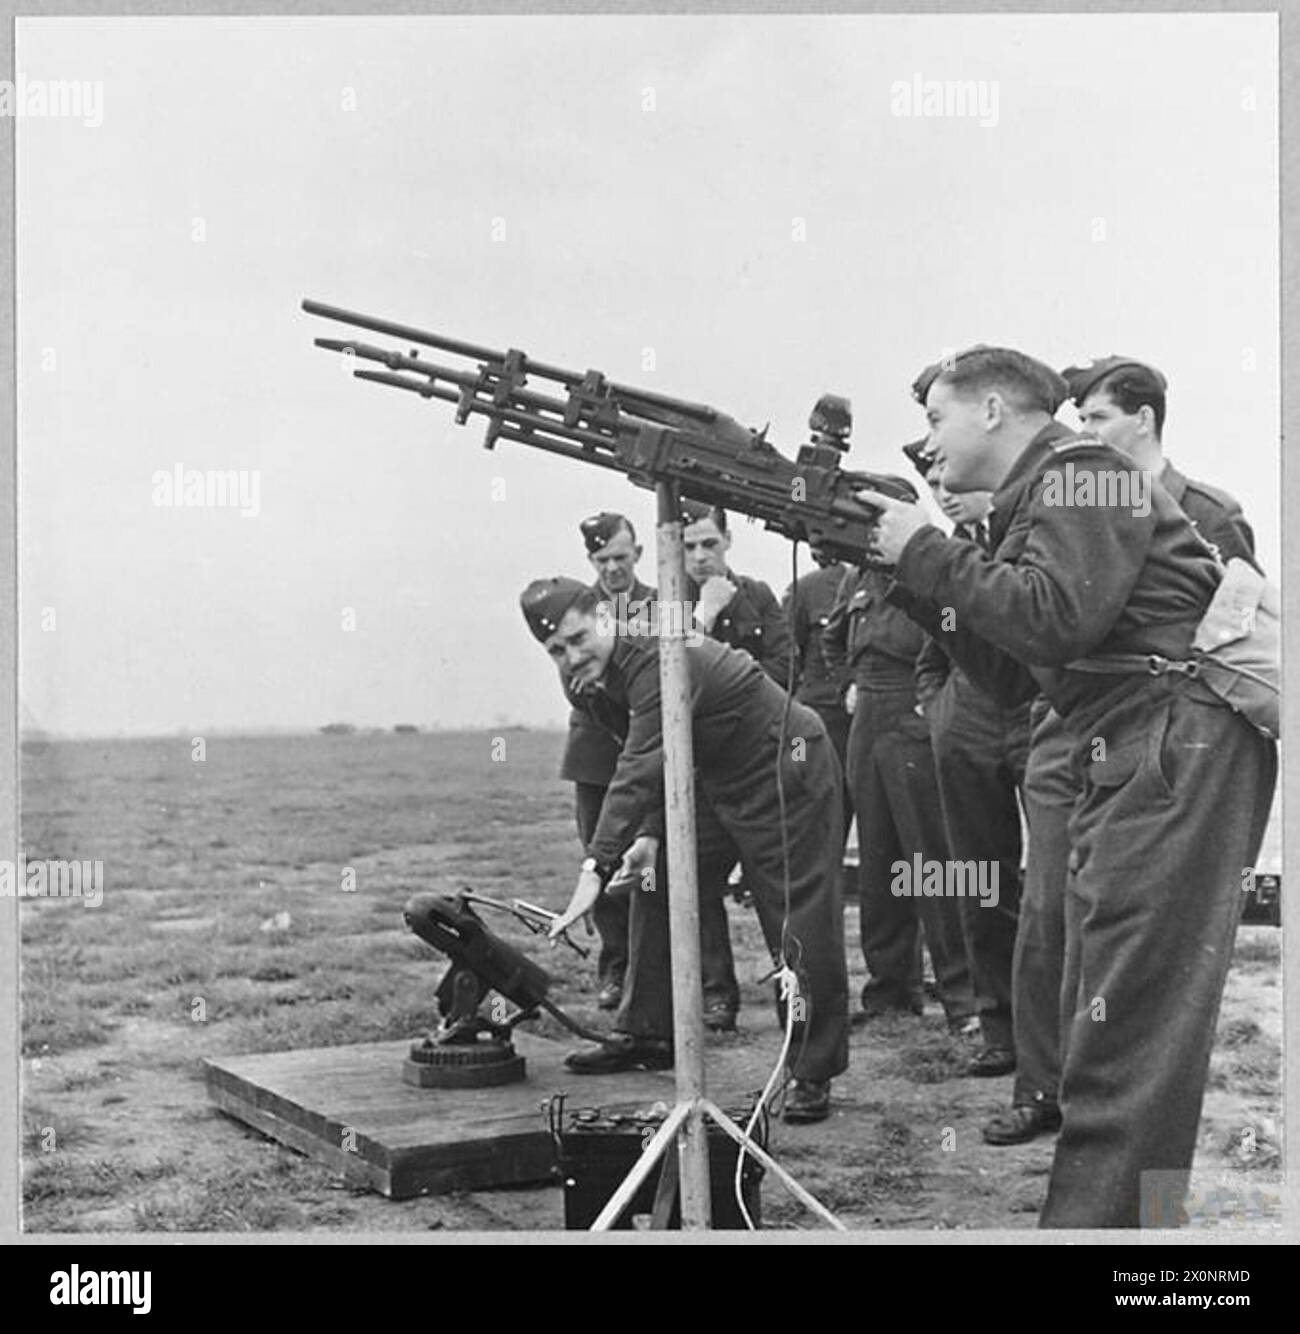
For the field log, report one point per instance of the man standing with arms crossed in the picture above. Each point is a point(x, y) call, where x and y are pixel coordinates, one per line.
point(1152, 901)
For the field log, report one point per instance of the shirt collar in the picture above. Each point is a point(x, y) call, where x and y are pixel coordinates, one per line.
point(1023, 471)
point(1173, 481)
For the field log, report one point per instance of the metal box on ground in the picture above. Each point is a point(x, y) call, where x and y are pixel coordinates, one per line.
point(596, 1147)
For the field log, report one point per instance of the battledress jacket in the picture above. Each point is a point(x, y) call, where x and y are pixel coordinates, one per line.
point(1063, 582)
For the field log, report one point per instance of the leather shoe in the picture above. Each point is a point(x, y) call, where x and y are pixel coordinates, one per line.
point(869, 1013)
point(806, 1101)
point(610, 995)
point(621, 1051)
point(1022, 1123)
point(719, 1016)
point(991, 1062)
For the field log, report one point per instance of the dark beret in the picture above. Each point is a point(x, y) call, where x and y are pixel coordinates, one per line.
point(601, 529)
point(696, 511)
point(921, 385)
point(1082, 380)
point(921, 455)
point(545, 601)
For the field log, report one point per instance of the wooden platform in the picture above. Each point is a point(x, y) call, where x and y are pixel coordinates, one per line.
point(349, 1108)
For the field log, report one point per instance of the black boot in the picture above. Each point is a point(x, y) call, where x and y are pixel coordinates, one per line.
point(622, 1051)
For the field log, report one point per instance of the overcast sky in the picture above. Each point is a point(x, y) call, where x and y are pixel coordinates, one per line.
point(723, 208)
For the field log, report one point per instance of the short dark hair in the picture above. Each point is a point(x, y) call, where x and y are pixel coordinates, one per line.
point(695, 511)
point(1028, 385)
point(1134, 387)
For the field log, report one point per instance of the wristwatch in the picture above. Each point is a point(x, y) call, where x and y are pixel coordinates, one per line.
point(604, 871)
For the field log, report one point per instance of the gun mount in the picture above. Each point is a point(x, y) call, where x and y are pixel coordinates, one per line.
point(470, 1048)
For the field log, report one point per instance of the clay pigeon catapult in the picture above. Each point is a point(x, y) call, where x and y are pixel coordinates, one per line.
point(473, 1047)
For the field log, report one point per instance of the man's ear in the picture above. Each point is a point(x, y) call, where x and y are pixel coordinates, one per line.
point(636, 553)
point(995, 411)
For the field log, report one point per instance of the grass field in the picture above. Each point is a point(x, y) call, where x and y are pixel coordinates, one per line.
point(252, 903)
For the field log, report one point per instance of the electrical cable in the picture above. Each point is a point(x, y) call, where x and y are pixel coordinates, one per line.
point(787, 978)
point(789, 984)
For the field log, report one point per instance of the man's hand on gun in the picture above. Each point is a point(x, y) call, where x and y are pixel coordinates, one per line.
point(637, 861)
point(894, 528)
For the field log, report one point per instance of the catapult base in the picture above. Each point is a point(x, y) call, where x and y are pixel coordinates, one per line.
point(466, 1065)
point(350, 1109)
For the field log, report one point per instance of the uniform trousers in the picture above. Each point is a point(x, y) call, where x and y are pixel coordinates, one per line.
point(1175, 793)
point(896, 800)
point(804, 927)
point(1050, 793)
point(979, 753)
point(610, 914)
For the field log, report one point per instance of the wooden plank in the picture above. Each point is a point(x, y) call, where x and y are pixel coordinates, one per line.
point(349, 1165)
point(408, 1141)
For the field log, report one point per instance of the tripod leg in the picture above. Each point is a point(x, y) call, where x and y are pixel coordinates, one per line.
point(622, 1197)
point(784, 1177)
point(665, 1193)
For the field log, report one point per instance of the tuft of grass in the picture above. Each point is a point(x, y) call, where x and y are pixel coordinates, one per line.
point(1238, 1033)
point(80, 1080)
point(68, 1131)
point(931, 1058)
point(67, 1177)
point(56, 1024)
point(272, 972)
point(1257, 945)
point(332, 1025)
point(1253, 1148)
point(260, 1197)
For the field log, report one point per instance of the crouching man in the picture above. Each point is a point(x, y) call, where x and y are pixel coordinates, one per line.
point(736, 729)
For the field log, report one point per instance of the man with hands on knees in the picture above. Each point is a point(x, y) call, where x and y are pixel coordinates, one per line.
point(737, 733)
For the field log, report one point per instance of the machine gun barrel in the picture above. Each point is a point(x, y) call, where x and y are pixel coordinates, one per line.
point(648, 437)
point(407, 333)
